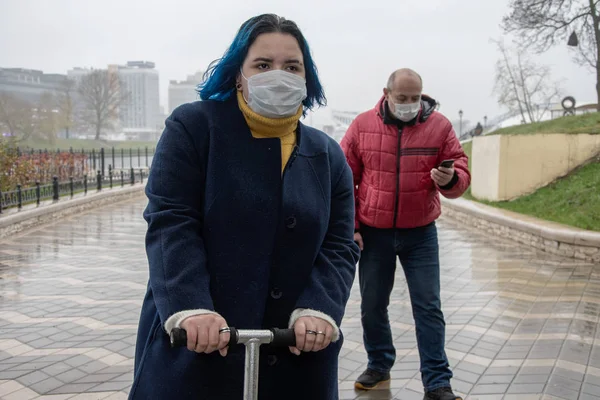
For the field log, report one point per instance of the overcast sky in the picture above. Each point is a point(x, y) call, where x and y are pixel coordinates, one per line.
point(356, 43)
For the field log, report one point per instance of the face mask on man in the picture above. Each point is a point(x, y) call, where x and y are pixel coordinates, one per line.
point(407, 112)
point(276, 93)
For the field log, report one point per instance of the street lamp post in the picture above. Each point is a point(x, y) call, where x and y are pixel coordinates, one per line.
point(460, 115)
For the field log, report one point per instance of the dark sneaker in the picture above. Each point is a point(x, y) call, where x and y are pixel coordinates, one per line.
point(444, 393)
point(371, 379)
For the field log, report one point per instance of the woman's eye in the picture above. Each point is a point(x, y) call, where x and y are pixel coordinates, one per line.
point(293, 68)
point(263, 66)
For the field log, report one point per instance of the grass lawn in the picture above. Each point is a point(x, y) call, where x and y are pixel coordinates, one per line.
point(586, 123)
point(78, 144)
point(572, 200)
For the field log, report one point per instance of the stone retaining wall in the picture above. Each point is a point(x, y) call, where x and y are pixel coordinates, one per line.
point(14, 222)
point(544, 235)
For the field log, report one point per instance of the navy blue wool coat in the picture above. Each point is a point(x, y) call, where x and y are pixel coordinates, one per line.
point(227, 232)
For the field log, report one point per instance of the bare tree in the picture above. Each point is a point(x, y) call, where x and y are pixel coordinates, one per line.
point(64, 102)
point(8, 117)
point(101, 95)
point(540, 24)
point(46, 118)
point(16, 116)
point(524, 86)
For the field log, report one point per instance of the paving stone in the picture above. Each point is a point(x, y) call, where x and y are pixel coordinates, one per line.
point(78, 361)
point(70, 376)
point(33, 377)
point(57, 368)
point(524, 379)
point(490, 389)
point(46, 386)
point(590, 389)
point(526, 388)
point(565, 373)
point(13, 374)
point(74, 388)
point(110, 386)
point(491, 379)
point(587, 396)
point(466, 376)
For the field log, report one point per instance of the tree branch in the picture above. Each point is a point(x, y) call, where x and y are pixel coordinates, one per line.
point(522, 85)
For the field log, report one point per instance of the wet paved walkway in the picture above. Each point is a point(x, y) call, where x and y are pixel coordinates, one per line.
point(521, 325)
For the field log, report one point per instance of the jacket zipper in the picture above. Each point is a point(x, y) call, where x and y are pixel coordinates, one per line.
point(397, 200)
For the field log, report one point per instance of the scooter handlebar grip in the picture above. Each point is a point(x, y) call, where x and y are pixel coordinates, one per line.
point(178, 337)
point(283, 337)
point(233, 337)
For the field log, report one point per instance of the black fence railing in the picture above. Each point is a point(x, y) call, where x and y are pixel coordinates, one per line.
point(57, 190)
point(100, 159)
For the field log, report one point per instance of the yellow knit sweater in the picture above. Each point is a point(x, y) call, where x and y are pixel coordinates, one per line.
point(282, 128)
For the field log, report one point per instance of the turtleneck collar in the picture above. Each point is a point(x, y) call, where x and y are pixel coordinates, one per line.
point(268, 127)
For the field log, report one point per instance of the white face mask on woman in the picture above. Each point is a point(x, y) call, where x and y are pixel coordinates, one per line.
point(276, 93)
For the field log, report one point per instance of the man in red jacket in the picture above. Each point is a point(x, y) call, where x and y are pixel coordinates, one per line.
point(396, 152)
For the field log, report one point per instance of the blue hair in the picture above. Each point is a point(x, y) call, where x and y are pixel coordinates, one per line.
point(220, 77)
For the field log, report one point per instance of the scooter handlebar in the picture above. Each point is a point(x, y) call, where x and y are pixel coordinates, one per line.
point(281, 337)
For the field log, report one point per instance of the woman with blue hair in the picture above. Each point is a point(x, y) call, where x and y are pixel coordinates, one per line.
point(250, 224)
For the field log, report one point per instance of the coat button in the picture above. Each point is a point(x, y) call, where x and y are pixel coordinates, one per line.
point(272, 360)
point(290, 222)
point(276, 293)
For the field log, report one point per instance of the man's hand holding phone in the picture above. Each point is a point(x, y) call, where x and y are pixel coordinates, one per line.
point(442, 175)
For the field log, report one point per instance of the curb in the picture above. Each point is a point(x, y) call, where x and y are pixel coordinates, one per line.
point(548, 236)
point(16, 222)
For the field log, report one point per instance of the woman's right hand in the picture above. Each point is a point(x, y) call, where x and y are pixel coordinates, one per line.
point(203, 333)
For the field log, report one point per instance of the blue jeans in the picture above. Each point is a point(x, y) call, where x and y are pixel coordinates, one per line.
point(418, 251)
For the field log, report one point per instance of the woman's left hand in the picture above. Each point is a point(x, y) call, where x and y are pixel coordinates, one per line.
point(312, 334)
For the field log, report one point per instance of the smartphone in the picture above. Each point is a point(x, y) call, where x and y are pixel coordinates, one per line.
point(447, 163)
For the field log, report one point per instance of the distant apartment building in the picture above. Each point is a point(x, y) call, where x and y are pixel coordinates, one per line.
point(77, 73)
point(29, 84)
point(140, 111)
point(181, 92)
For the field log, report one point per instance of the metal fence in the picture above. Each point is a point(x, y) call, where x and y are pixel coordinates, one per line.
point(57, 190)
point(101, 159)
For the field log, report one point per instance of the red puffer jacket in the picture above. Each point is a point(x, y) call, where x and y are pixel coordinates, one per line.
point(391, 162)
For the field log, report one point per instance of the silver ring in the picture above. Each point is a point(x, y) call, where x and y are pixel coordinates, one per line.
point(308, 331)
point(320, 333)
point(224, 330)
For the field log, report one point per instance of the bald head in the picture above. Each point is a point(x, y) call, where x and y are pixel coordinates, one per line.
point(404, 87)
point(403, 75)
